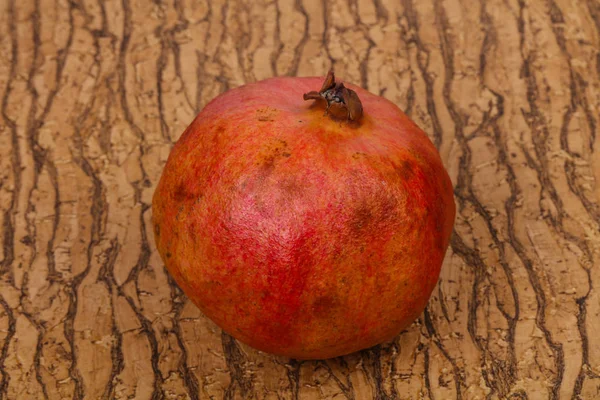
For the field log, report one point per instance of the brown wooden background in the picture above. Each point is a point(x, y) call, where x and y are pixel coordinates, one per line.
point(93, 94)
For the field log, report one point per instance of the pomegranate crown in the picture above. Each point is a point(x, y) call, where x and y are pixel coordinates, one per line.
point(339, 97)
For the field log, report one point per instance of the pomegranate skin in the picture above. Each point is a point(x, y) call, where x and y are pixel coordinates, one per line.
point(299, 234)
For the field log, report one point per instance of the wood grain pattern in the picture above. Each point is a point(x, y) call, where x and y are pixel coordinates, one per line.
point(95, 92)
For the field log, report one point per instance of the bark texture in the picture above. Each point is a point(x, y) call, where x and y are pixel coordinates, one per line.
point(93, 94)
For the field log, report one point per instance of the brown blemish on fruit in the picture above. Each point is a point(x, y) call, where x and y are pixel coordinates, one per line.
point(266, 114)
point(323, 305)
point(218, 132)
point(362, 217)
point(291, 189)
point(374, 214)
point(271, 153)
point(179, 211)
point(404, 170)
point(192, 232)
point(182, 193)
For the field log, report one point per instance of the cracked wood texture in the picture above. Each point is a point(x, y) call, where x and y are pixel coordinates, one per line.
point(93, 94)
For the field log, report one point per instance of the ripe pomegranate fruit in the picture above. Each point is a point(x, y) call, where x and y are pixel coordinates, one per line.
point(300, 233)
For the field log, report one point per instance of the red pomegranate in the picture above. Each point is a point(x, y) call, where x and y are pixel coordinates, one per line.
point(301, 233)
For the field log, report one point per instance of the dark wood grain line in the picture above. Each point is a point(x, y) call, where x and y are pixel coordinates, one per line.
point(278, 44)
point(510, 203)
point(410, 92)
point(243, 38)
point(465, 194)
point(35, 321)
point(363, 66)
point(474, 261)
point(122, 69)
point(189, 378)
point(352, 6)
point(161, 64)
point(61, 59)
point(442, 27)
point(510, 207)
point(358, 25)
point(518, 395)
point(146, 324)
point(592, 208)
point(6, 267)
point(235, 364)
point(382, 13)
point(168, 42)
point(53, 275)
point(577, 100)
point(201, 77)
point(104, 133)
point(395, 354)
point(147, 328)
point(503, 374)
point(97, 211)
point(181, 26)
point(148, 331)
point(458, 373)
point(539, 164)
point(39, 158)
point(499, 375)
point(585, 370)
point(50, 166)
point(372, 359)
point(295, 64)
point(33, 125)
point(422, 62)
point(537, 122)
point(293, 375)
point(443, 305)
point(221, 77)
point(144, 257)
point(533, 118)
point(12, 327)
point(426, 368)
point(325, 36)
point(580, 84)
point(106, 277)
point(540, 133)
point(594, 9)
point(346, 387)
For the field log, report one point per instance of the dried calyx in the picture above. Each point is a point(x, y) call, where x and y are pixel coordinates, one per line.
point(338, 97)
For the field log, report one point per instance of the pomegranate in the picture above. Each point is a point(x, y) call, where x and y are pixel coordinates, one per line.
point(304, 233)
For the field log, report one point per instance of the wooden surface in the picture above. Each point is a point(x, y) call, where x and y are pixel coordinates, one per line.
point(94, 93)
